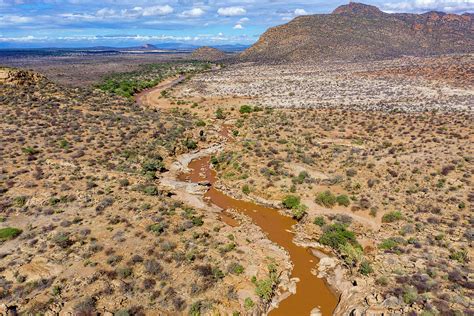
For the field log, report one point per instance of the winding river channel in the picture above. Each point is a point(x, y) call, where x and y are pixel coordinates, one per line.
point(311, 291)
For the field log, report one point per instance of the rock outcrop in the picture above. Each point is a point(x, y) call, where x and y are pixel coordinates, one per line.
point(20, 77)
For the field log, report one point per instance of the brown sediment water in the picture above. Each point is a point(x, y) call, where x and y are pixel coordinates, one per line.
point(228, 219)
point(311, 291)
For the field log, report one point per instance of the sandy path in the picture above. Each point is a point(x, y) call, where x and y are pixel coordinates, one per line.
point(153, 98)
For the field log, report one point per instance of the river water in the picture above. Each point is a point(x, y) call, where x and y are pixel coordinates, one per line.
point(311, 291)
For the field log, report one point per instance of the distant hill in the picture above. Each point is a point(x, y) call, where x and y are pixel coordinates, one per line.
point(358, 31)
point(206, 53)
point(148, 46)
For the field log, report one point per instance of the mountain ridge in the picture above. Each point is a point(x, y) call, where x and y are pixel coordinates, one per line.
point(358, 31)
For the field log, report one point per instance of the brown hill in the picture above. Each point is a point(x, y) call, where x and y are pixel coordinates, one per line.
point(10, 76)
point(358, 31)
point(206, 53)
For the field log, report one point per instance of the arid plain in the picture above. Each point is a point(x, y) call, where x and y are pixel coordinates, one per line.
point(372, 160)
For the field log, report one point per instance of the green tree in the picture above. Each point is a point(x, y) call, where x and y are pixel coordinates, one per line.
point(291, 201)
point(246, 109)
point(326, 199)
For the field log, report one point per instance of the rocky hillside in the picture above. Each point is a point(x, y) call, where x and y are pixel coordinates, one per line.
point(358, 31)
point(206, 53)
point(89, 226)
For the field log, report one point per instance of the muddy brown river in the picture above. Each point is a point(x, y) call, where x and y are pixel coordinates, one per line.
point(311, 291)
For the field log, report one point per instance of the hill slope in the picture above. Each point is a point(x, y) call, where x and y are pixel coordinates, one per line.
point(358, 31)
point(206, 53)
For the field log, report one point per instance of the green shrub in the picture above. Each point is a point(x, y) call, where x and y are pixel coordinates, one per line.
point(150, 190)
point(122, 312)
point(320, 221)
point(220, 114)
point(8, 233)
point(56, 290)
point(157, 228)
point(410, 295)
point(291, 201)
point(228, 247)
point(248, 303)
point(64, 144)
point(302, 176)
point(460, 256)
point(30, 151)
point(151, 166)
point(236, 268)
point(217, 273)
point(200, 123)
point(299, 212)
point(245, 109)
point(343, 200)
point(336, 235)
point(388, 244)
point(195, 309)
point(373, 211)
point(383, 280)
point(392, 217)
point(326, 199)
point(352, 254)
point(124, 182)
point(190, 144)
point(365, 268)
point(264, 288)
point(246, 189)
point(20, 201)
point(124, 272)
point(214, 161)
point(198, 221)
point(54, 201)
point(62, 240)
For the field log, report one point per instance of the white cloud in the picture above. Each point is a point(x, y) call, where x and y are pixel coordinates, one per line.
point(111, 14)
point(231, 11)
point(300, 12)
point(220, 37)
point(106, 12)
point(243, 20)
point(158, 10)
point(74, 17)
point(28, 38)
point(238, 27)
point(427, 5)
point(193, 13)
point(14, 19)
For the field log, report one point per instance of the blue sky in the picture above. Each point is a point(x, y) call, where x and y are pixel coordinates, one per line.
point(80, 23)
